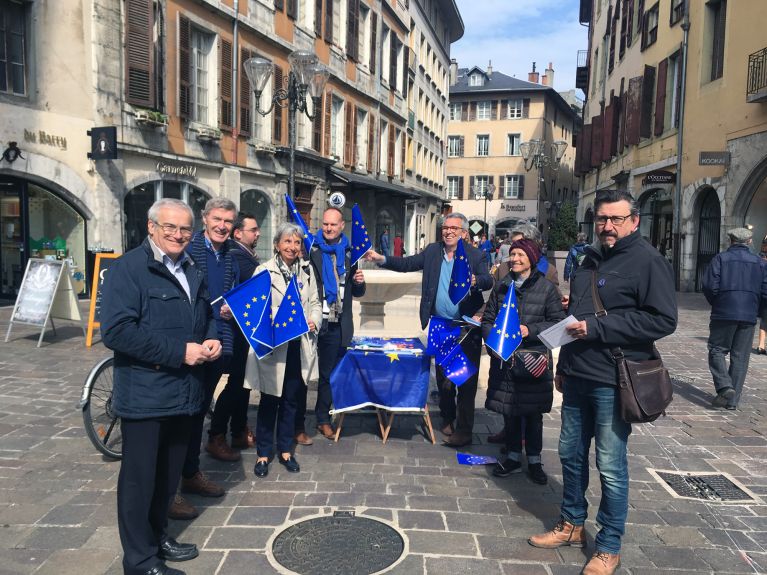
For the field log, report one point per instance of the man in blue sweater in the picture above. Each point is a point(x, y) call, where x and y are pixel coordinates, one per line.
point(735, 284)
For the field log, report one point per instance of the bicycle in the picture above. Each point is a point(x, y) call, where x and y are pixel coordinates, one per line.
point(102, 426)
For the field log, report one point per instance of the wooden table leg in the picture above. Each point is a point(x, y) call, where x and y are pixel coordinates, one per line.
point(339, 425)
point(427, 419)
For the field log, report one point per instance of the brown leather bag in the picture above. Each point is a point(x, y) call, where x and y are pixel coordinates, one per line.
point(645, 386)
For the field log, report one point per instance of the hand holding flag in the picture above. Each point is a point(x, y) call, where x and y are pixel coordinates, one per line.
point(297, 219)
point(460, 278)
point(360, 239)
point(289, 321)
point(251, 306)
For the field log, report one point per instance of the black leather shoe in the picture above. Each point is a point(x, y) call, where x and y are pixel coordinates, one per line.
point(172, 550)
point(163, 569)
point(261, 469)
point(290, 464)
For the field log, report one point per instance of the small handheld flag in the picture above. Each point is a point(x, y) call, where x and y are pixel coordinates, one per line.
point(251, 305)
point(289, 321)
point(460, 278)
point(297, 219)
point(505, 335)
point(457, 367)
point(360, 239)
point(443, 335)
point(471, 459)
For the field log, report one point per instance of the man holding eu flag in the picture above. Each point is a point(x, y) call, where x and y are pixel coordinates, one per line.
point(446, 295)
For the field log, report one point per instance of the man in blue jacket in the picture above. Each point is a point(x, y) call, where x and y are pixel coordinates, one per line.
point(436, 261)
point(156, 318)
point(735, 284)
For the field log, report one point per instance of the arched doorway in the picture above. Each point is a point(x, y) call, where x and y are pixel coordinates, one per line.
point(709, 222)
point(258, 204)
point(587, 225)
point(656, 215)
point(384, 221)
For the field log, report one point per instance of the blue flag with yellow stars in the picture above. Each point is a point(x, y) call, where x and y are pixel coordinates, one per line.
point(457, 367)
point(460, 278)
point(289, 321)
point(251, 305)
point(505, 336)
point(297, 219)
point(443, 335)
point(360, 239)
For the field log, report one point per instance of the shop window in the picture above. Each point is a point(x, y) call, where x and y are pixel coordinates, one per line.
point(257, 203)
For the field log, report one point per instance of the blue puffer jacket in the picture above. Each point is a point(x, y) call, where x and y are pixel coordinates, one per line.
point(735, 284)
point(147, 320)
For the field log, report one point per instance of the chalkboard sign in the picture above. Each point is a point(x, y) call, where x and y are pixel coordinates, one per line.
point(102, 264)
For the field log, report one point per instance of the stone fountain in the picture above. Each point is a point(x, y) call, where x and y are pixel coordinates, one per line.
point(383, 286)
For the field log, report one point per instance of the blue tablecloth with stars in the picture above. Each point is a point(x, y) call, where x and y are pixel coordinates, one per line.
point(389, 373)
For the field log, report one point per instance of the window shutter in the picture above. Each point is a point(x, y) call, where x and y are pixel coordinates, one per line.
point(279, 5)
point(277, 112)
point(634, 110)
point(660, 97)
point(317, 126)
point(355, 152)
point(371, 141)
point(405, 77)
point(622, 125)
point(245, 92)
point(648, 83)
point(610, 137)
point(393, 60)
point(352, 29)
point(526, 107)
point(348, 129)
point(292, 9)
point(501, 186)
point(640, 19)
point(328, 120)
point(521, 193)
point(470, 191)
point(490, 184)
point(184, 67)
point(464, 111)
point(140, 85)
point(678, 100)
point(460, 187)
point(494, 110)
point(584, 149)
point(402, 158)
point(460, 146)
point(596, 141)
point(329, 21)
point(318, 17)
point(472, 111)
point(373, 45)
point(390, 162)
point(624, 27)
point(225, 84)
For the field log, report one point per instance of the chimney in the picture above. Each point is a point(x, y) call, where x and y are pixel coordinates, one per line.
point(489, 67)
point(548, 77)
point(532, 76)
point(453, 71)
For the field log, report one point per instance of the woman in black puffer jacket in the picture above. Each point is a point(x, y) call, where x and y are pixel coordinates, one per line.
point(523, 402)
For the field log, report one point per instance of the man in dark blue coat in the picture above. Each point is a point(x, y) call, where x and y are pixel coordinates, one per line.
point(157, 319)
point(735, 284)
point(436, 261)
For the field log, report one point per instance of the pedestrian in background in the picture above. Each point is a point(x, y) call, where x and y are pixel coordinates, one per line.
point(399, 246)
point(383, 242)
point(760, 347)
point(735, 284)
point(575, 256)
point(157, 319)
point(488, 248)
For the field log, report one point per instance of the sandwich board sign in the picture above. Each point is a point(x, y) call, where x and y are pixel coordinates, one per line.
point(100, 268)
point(46, 293)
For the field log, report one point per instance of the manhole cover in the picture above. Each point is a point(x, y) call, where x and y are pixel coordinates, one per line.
point(715, 487)
point(339, 545)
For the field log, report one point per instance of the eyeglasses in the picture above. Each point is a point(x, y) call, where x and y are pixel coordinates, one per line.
point(171, 229)
point(614, 220)
point(453, 229)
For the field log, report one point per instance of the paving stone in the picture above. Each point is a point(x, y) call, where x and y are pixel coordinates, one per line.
point(442, 565)
point(71, 562)
point(55, 538)
point(258, 516)
point(420, 520)
point(429, 502)
point(238, 538)
point(675, 558)
point(474, 523)
point(441, 543)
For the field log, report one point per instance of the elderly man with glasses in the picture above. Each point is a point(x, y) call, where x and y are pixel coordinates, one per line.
point(436, 261)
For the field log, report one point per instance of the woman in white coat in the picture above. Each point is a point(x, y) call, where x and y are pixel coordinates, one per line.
point(282, 375)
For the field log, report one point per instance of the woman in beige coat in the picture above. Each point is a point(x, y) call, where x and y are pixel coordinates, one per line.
point(282, 375)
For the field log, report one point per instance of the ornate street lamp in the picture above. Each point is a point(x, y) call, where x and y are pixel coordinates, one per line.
point(307, 77)
point(535, 155)
point(482, 192)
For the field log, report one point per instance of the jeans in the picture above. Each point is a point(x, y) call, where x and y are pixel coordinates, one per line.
point(531, 427)
point(735, 338)
point(330, 352)
point(592, 409)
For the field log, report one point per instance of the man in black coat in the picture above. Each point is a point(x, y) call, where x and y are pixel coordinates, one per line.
point(157, 319)
point(436, 261)
point(337, 283)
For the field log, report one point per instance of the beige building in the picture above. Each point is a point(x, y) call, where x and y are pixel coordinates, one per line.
point(491, 116)
point(638, 91)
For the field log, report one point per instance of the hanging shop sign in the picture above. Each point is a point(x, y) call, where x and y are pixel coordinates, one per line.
point(177, 169)
point(659, 177)
point(714, 159)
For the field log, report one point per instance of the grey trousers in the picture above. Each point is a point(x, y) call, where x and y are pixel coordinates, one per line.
point(735, 338)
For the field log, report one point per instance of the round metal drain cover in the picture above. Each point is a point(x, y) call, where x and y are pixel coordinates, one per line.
point(338, 545)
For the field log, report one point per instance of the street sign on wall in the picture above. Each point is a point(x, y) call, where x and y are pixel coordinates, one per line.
point(714, 159)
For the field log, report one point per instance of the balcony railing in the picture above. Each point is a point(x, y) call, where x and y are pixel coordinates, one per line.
point(582, 71)
point(756, 90)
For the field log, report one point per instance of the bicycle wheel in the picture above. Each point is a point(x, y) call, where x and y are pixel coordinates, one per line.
point(101, 424)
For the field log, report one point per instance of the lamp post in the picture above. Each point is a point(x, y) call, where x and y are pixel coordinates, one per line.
point(307, 77)
point(535, 155)
point(481, 192)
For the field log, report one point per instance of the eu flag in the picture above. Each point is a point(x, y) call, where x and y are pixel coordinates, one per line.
point(289, 322)
point(443, 335)
point(251, 305)
point(297, 219)
point(505, 336)
point(457, 367)
point(360, 239)
point(460, 278)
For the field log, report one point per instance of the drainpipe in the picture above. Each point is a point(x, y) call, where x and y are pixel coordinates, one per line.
point(235, 92)
point(677, 222)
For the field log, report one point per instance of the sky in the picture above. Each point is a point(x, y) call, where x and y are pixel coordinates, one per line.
point(515, 33)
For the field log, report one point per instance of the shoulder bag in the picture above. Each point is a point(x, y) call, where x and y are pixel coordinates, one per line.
point(527, 365)
point(645, 386)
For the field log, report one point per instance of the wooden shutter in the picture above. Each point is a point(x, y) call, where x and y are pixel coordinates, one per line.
point(494, 109)
point(501, 186)
point(317, 125)
point(634, 110)
point(596, 141)
point(490, 182)
point(584, 148)
point(139, 46)
point(184, 67)
point(393, 41)
point(402, 157)
point(279, 5)
point(371, 141)
point(464, 111)
point(460, 187)
point(648, 83)
point(225, 84)
point(328, 120)
point(521, 187)
point(318, 17)
point(245, 92)
point(660, 97)
point(622, 124)
point(277, 112)
point(607, 121)
point(292, 9)
point(640, 19)
point(470, 191)
point(461, 140)
point(329, 21)
point(624, 27)
point(678, 101)
point(525, 107)
point(472, 111)
point(348, 129)
point(392, 142)
point(405, 68)
point(352, 29)
point(373, 45)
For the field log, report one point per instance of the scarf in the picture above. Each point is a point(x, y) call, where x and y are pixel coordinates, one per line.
point(328, 276)
point(287, 271)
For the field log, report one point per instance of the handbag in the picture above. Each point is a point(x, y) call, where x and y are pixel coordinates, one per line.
point(645, 386)
point(529, 365)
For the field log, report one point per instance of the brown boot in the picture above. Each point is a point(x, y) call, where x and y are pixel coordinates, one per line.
point(458, 439)
point(562, 535)
point(303, 439)
point(447, 430)
point(181, 509)
point(199, 484)
point(602, 563)
point(244, 440)
point(326, 430)
point(218, 449)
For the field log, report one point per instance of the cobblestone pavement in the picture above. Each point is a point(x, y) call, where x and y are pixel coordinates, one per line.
point(57, 495)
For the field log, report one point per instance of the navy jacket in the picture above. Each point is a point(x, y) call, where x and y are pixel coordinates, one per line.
point(246, 261)
point(735, 284)
point(147, 320)
point(430, 261)
point(636, 286)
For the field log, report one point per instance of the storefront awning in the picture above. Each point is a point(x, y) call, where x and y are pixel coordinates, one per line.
point(366, 181)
